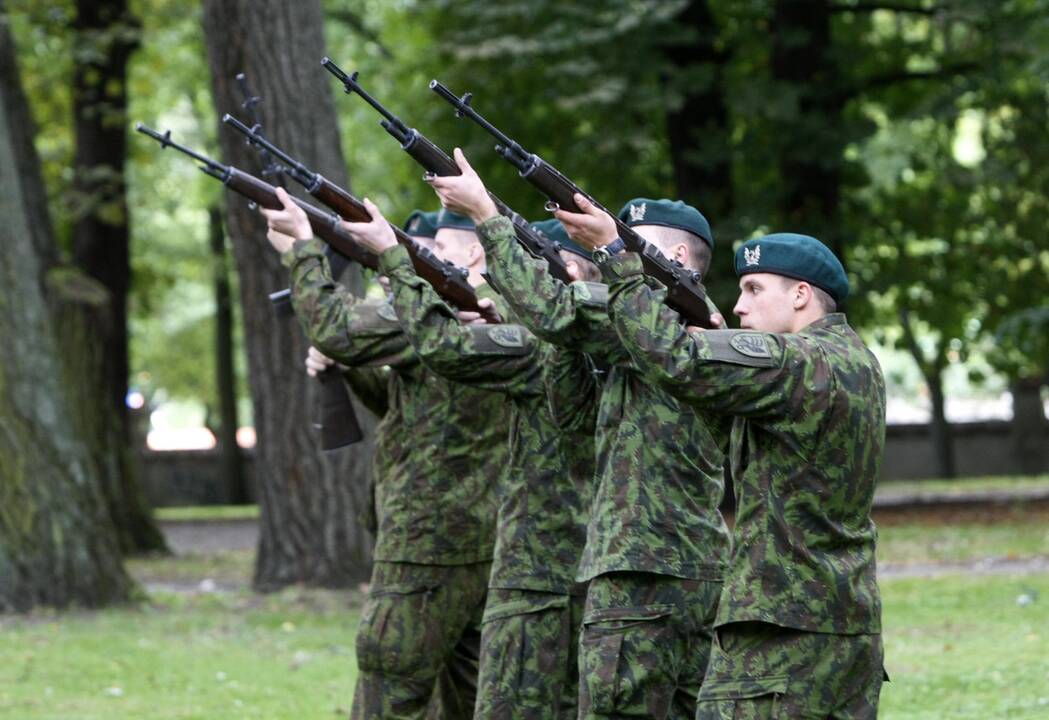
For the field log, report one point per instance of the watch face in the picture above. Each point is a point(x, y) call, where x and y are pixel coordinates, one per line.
point(601, 256)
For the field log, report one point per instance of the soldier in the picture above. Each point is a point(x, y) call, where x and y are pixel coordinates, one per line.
point(528, 666)
point(368, 382)
point(656, 542)
point(799, 625)
point(439, 449)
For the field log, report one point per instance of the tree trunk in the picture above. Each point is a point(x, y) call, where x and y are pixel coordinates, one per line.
point(940, 433)
point(226, 380)
point(57, 545)
point(940, 430)
point(697, 128)
point(95, 328)
point(309, 501)
point(810, 143)
point(1030, 429)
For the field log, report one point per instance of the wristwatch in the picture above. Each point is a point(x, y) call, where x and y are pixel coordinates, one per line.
point(602, 254)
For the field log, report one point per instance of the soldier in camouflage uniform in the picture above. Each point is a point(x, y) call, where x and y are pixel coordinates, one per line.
point(528, 661)
point(370, 383)
point(799, 625)
point(440, 448)
point(656, 542)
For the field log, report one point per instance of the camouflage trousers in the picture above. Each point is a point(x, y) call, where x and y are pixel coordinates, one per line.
point(529, 668)
point(420, 633)
point(644, 645)
point(758, 670)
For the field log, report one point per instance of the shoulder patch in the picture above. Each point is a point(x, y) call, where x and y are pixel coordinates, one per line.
point(590, 293)
point(750, 344)
point(386, 312)
point(508, 336)
point(739, 347)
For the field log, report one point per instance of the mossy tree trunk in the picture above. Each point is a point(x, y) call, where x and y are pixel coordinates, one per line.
point(96, 336)
point(309, 500)
point(57, 544)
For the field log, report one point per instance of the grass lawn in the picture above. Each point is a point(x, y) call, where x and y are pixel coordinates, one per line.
point(961, 486)
point(957, 646)
point(284, 656)
point(966, 647)
point(1012, 531)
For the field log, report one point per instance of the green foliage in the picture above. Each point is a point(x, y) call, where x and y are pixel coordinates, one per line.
point(929, 123)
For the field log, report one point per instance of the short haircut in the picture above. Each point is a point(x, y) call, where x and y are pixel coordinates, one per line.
point(824, 299)
point(698, 250)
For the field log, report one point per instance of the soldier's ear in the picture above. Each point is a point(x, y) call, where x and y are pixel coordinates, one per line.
point(681, 253)
point(802, 293)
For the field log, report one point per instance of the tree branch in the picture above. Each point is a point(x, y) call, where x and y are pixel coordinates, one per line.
point(354, 22)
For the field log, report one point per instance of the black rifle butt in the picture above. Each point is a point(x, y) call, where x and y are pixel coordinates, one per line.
point(338, 423)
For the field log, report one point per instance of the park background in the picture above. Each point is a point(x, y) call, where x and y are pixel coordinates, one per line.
point(910, 136)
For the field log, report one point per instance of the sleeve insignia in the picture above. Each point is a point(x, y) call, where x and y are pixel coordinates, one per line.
point(508, 336)
point(386, 312)
point(750, 344)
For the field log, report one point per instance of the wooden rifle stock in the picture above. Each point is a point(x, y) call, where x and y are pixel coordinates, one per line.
point(449, 281)
point(685, 291)
point(436, 161)
point(339, 424)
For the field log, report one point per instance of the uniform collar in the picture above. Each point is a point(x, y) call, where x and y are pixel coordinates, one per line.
point(827, 321)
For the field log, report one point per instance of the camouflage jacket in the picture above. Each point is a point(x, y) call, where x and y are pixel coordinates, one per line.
point(659, 468)
point(806, 449)
point(544, 494)
point(440, 444)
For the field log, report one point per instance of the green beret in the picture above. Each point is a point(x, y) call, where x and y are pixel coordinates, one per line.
point(796, 256)
point(553, 230)
point(421, 224)
point(668, 213)
point(447, 219)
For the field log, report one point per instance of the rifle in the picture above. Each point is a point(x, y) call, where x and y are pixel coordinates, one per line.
point(338, 426)
point(449, 281)
point(436, 161)
point(272, 169)
point(685, 291)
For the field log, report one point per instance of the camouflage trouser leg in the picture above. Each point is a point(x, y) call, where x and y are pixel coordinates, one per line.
point(456, 690)
point(528, 656)
point(760, 671)
point(644, 645)
point(411, 625)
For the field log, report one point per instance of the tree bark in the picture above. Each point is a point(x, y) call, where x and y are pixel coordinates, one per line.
point(94, 328)
point(697, 128)
point(941, 435)
point(810, 144)
point(57, 544)
point(226, 379)
point(309, 501)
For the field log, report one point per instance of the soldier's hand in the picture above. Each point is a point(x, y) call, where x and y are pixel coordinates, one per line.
point(716, 319)
point(592, 228)
point(376, 235)
point(290, 220)
point(488, 315)
point(464, 194)
point(317, 362)
point(279, 241)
